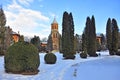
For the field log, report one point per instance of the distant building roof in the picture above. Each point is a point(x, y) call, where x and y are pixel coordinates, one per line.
point(14, 33)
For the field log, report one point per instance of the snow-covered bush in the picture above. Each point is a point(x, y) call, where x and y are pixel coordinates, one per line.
point(83, 55)
point(50, 58)
point(22, 58)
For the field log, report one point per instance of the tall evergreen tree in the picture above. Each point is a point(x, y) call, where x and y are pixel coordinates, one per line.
point(2, 18)
point(68, 36)
point(89, 37)
point(86, 34)
point(109, 35)
point(119, 41)
point(60, 44)
point(2, 30)
point(65, 38)
point(114, 36)
point(71, 23)
point(84, 42)
point(92, 38)
point(49, 43)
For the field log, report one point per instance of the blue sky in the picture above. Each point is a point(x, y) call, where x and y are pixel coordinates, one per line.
point(34, 17)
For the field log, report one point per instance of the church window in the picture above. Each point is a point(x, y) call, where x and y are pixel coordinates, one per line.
point(56, 35)
point(53, 35)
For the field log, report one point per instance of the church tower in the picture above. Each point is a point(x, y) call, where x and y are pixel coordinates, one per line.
point(55, 35)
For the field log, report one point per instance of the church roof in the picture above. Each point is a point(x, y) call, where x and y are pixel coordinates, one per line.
point(54, 21)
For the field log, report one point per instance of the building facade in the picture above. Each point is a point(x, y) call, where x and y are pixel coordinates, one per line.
point(55, 35)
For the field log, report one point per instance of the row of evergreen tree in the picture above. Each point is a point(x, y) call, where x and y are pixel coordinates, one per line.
point(89, 42)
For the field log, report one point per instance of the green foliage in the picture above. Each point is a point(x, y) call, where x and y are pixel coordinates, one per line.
point(49, 43)
point(109, 35)
point(112, 36)
point(71, 28)
point(60, 44)
point(36, 42)
point(2, 18)
point(50, 58)
point(2, 30)
point(83, 55)
point(22, 57)
point(68, 36)
point(21, 38)
point(119, 40)
point(65, 34)
point(89, 37)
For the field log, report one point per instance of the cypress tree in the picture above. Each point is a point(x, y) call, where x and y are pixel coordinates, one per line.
point(85, 36)
point(84, 43)
point(2, 30)
point(49, 43)
point(2, 18)
point(90, 37)
point(114, 36)
point(65, 34)
point(109, 36)
point(68, 36)
point(71, 23)
point(60, 44)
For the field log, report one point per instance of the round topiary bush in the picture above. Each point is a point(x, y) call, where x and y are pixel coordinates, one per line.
point(50, 58)
point(83, 55)
point(22, 58)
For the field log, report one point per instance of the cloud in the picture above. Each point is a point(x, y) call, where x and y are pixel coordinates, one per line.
point(27, 21)
point(25, 2)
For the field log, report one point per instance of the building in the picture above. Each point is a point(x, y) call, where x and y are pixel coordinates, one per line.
point(99, 38)
point(55, 35)
point(43, 44)
point(15, 36)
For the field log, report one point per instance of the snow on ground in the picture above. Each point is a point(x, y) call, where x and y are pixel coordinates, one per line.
point(104, 67)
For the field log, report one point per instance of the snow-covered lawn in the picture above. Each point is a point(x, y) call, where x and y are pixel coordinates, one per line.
point(104, 67)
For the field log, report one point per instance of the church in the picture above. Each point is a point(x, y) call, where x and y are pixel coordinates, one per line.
point(55, 35)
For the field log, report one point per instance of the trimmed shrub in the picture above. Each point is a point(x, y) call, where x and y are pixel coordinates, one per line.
point(50, 58)
point(118, 53)
point(93, 55)
point(83, 55)
point(22, 58)
point(70, 56)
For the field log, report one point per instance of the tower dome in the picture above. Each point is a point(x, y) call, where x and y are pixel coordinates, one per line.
point(54, 21)
point(54, 25)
